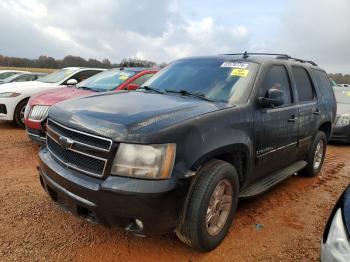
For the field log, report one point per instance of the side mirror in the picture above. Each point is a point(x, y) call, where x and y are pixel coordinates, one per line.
point(72, 82)
point(132, 86)
point(273, 98)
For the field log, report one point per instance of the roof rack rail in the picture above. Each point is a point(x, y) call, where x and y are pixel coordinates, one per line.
point(277, 56)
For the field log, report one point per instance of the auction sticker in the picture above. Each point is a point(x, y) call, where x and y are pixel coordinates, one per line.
point(239, 72)
point(234, 65)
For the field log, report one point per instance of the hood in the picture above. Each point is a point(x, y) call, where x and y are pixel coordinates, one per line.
point(125, 116)
point(23, 86)
point(343, 108)
point(56, 95)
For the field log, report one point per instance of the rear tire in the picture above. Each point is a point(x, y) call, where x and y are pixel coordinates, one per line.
point(210, 206)
point(19, 113)
point(316, 155)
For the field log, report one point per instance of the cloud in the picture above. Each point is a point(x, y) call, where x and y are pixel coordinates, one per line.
point(161, 30)
point(153, 30)
point(317, 30)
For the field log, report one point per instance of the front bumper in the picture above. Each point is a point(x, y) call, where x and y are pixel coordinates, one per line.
point(37, 135)
point(341, 134)
point(10, 105)
point(115, 200)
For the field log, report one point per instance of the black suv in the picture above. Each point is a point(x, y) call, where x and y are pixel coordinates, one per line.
point(178, 153)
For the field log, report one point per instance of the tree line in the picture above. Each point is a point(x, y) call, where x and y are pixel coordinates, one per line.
point(340, 78)
point(52, 63)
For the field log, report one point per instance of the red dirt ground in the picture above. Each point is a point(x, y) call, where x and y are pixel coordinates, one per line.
point(33, 228)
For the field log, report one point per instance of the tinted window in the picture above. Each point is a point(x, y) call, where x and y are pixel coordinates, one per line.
point(82, 75)
point(303, 84)
point(323, 82)
point(107, 80)
point(215, 78)
point(277, 78)
point(139, 81)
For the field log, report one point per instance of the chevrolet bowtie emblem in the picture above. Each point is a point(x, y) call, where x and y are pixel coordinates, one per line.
point(65, 142)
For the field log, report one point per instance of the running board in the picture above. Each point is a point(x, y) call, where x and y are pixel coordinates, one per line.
point(275, 178)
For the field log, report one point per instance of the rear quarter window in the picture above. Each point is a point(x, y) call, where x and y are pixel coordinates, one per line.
point(323, 83)
point(303, 84)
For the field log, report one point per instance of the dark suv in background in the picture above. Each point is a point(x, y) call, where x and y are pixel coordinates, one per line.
point(178, 153)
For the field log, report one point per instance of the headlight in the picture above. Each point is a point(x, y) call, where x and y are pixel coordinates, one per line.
point(9, 94)
point(337, 247)
point(38, 113)
point(343, 120)
point(144, 161)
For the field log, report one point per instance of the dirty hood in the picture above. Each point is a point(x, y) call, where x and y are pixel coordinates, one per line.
point(123, 115)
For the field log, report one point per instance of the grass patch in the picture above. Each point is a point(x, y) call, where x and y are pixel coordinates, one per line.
point(40, 70)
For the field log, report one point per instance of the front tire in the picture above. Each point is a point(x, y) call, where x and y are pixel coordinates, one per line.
point(210, 206)
point(19, 113)
point(316, 155)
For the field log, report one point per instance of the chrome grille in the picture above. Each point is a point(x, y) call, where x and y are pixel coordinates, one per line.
point(81, 137)
point(84, 157)
point(38, 113)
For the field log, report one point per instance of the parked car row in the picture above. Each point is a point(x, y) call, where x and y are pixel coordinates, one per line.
point(111, 80)
point(14, 96)
point(175, 150)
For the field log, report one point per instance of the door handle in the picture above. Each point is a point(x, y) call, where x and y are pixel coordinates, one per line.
point(317, 112)
point(292, 119)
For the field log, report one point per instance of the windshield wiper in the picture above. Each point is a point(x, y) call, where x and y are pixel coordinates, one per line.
point(186, 93)
point(148, 88)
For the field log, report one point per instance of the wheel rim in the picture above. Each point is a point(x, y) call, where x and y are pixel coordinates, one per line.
point(318, 154)
point(21, 114)
point(219, 207)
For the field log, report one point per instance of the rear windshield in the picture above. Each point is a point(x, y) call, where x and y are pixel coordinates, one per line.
point(106, 81)
point(217, 79)
point(57, 76)
point(342, 95)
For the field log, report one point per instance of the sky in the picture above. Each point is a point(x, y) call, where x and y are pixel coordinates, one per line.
point(164, 30)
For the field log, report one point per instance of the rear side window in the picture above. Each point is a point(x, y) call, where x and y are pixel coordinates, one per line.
point(324, 83)
point(322, 80)
point(303, 84)
point(82, 75)
point(277, 78)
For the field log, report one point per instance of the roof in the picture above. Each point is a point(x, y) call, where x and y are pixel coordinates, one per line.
point(262, 58)
point(80, 68)
point(15, 71)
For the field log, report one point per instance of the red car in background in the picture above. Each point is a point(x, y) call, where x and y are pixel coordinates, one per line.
point(111, 80)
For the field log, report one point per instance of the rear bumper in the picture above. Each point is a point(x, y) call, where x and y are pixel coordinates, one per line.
point(115, 200)
point(341, 134)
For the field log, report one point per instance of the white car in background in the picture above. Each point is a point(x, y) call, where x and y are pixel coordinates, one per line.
point(14, 96)
point(7, 73)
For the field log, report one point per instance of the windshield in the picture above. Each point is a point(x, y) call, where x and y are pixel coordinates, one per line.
point(106, 81)
point(216, 79)
point(57, 76)
point(342, 95)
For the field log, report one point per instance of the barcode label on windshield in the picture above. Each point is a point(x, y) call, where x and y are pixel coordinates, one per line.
point(234, 65)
